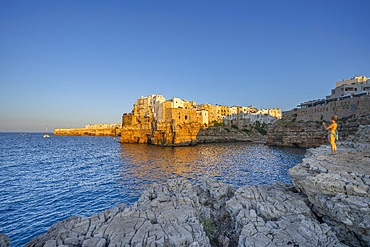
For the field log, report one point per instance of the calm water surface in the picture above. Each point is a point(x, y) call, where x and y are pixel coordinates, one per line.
point(43, 181)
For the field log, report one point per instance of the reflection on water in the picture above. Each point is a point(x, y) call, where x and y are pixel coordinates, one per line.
point(43, 181)
point(233, 163)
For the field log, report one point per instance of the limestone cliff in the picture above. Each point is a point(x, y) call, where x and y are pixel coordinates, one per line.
point(147, 130)
point(307, 134)
point(87, 132)
point(183, 134)
point(349, 126)
point(296, 134)
point(302, 127)
point(163, 134)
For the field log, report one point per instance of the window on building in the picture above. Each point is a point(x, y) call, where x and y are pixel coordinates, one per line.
point(186, 117)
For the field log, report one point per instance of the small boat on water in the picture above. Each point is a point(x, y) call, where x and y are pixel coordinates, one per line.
point(46, 135)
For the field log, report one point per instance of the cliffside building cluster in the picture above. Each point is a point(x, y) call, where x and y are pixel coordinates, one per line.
point(171, 122)
point(158, 108)
point(350, 97)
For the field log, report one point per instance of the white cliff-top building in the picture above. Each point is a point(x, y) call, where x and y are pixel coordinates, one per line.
point(153, 106)
point(350, 87)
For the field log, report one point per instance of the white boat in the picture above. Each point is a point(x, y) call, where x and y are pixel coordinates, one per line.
point(46, 135)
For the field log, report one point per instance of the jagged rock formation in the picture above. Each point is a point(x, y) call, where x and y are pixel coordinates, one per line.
point(164, 133)
point(182, 134)
point(348, 126)
point(302, 127)
point(290, 133)
point(338, 186)
point(276, 216)
point(181, 213)
point(296, 134)
point(4, 240)
point(164, 216)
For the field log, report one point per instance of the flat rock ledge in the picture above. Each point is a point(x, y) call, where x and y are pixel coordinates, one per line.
point(338, 186)
point(328, 206)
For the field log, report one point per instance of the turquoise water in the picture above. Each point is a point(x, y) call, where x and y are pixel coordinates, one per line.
point(43, 181)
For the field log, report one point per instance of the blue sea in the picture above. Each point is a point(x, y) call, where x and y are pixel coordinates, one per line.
point(43, 181)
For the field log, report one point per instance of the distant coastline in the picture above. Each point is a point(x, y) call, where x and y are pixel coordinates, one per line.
point(176, 122)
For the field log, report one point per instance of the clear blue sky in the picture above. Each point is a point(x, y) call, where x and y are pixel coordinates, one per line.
point(71, 63)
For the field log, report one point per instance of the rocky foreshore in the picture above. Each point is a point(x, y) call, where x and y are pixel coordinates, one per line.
point(328, 205)
point(338, 186)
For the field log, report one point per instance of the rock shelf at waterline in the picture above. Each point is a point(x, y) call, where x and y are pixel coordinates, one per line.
point(327, 206)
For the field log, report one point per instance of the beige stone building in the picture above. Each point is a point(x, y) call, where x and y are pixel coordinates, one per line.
point(214, 113)
point(241, 116)
point(350, 87)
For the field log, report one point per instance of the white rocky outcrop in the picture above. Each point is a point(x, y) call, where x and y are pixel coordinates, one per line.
point(165, 215)
point(181, 213)
point(338, 186)
point(276, 216)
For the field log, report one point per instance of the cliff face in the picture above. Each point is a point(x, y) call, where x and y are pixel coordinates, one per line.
point(158, 133)
point(290, 133)
point(349, 126)
point(302, 127)
point(296, 134)
point(163, 134)
point(170, 134)
point(87, 132)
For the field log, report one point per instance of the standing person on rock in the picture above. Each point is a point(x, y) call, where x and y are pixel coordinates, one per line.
point(333, 135)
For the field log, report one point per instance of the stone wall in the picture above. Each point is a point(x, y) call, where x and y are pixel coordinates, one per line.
point(357, 106)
